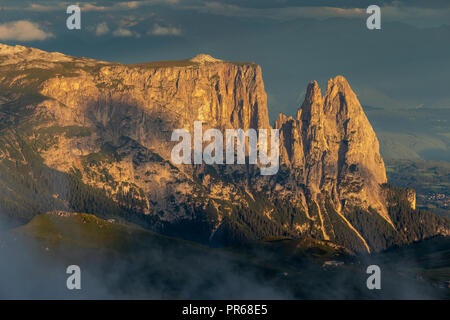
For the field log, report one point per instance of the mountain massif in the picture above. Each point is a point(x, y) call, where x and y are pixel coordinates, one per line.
point(91, 136)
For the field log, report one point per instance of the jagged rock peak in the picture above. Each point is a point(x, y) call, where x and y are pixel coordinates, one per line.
point(338, 93)
point(204, 58)
point(282, 119)
point(340, 81)
point(312, 104)
point(313, 89)
point(335, 146)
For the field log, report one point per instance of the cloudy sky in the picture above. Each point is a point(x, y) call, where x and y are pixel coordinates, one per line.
point(404, 65)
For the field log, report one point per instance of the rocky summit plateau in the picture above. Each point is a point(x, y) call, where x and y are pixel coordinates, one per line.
point(79, 135)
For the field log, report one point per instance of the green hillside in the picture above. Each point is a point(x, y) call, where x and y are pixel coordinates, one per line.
point(124, 261)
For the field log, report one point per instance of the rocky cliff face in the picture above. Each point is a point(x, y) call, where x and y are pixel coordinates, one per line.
point(109, 126)
point(333, 144)
point(219, 93)
point(146, 102)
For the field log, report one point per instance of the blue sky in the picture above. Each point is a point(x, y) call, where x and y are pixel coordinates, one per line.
point(403, 65)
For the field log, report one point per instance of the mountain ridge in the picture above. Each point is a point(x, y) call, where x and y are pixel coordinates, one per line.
point(107, 126)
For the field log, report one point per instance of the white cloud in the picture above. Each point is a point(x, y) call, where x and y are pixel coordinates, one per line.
point(282, 13)
point(111, 6)
point(129, 21)
point(159, 30)
point(122, 32)
point(46, 8)
point(155, 2)
point(102, 29)
point(23, 30)
point(130, 4)
point(92, 7)
point(418, 16)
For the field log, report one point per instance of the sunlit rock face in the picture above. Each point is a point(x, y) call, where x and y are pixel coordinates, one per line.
point(112, 124)
point(146, 102)
point(333, 143)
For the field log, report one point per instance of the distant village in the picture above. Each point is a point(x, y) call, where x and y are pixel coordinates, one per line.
point(439, 200)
